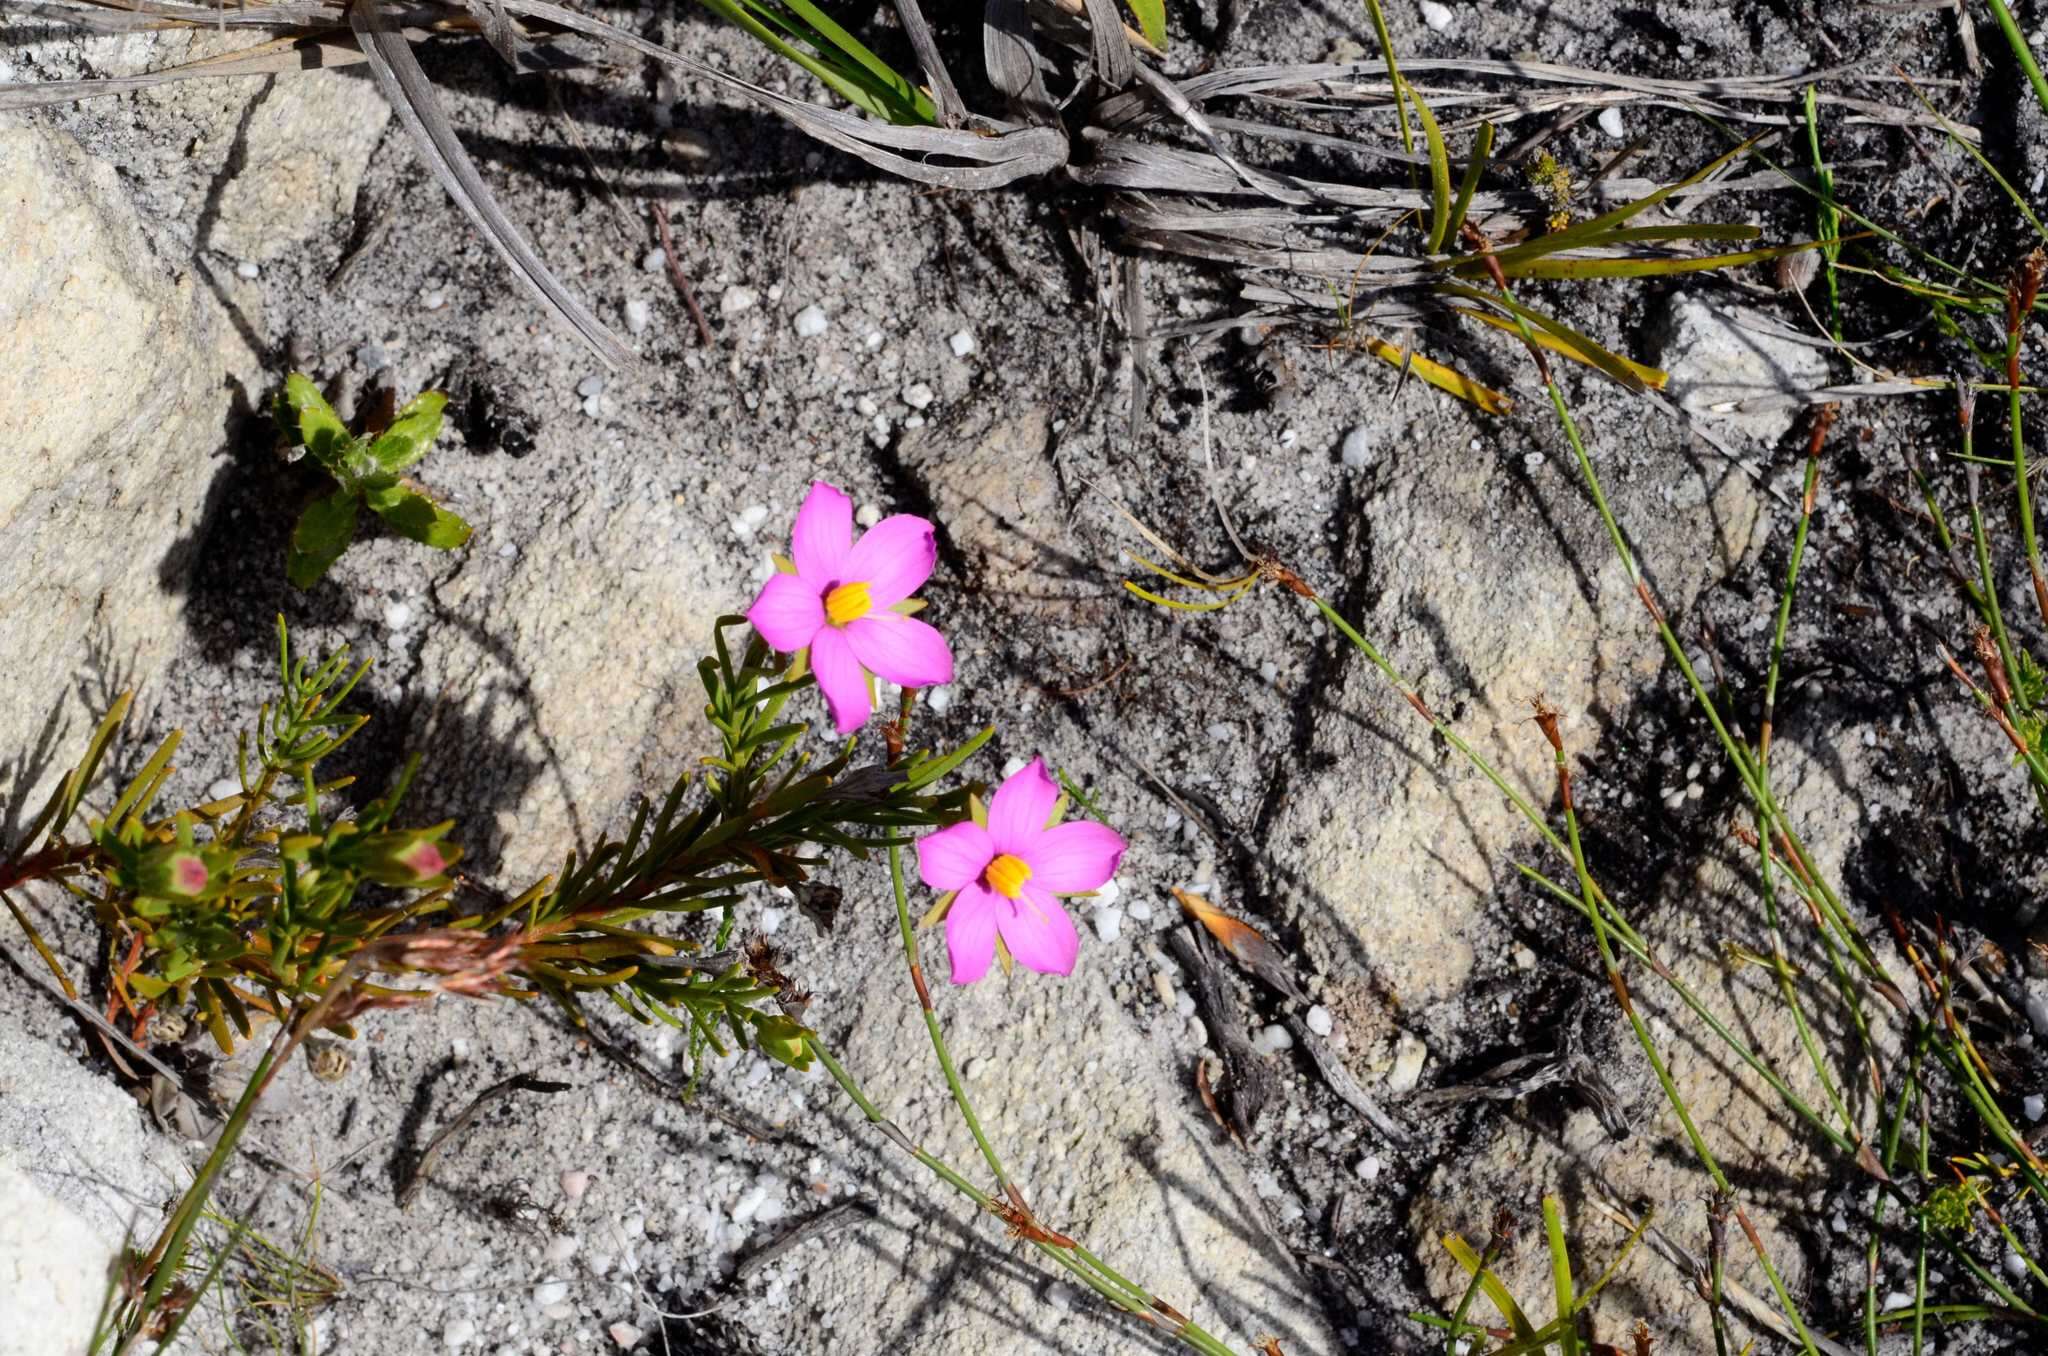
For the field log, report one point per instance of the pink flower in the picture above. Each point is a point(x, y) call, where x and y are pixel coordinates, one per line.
point(1008, 874)
point(838, 605)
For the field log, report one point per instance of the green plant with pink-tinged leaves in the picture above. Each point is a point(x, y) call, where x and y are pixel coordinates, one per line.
point(277, 913)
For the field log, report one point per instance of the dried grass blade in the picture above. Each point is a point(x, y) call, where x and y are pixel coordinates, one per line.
point(1114, 64)
point(990, 160)
point(1516, 256)
point(405, 85)
point(269, 58)
point(952, 112)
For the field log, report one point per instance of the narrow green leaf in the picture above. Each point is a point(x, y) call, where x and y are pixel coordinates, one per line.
point(1515, 258)
point(412, 514)
point(1482, 151)
point(1151, 20)
point(1561, 1276)
point(1655, 268)
point(411, 433)
point(1439, 175)
point(324, 531)
point(1491, 1284)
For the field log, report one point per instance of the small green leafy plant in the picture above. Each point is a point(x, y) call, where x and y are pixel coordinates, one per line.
point(368, 473)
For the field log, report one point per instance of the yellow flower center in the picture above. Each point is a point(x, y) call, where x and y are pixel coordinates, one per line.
point(847, 603)
point(1006, 876)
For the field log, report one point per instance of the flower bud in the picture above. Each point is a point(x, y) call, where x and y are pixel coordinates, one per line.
point(173, 871)
point(781, 1039)
point(407, 858)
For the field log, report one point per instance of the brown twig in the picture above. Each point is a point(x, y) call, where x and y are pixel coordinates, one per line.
point(676, 275)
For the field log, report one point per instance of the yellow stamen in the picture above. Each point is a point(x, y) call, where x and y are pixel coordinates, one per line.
point(847, 603)
point(1006, 876)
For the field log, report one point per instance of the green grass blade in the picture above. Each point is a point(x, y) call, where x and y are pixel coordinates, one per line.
point(1515, 256)
point(1482, 150)
point(1491, 1284)
point(1439, 176)
point(1561, 1277)
point(2018, 42)
point(1581, 269)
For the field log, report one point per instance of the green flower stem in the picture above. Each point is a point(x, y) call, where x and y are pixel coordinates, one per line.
point(1781, 966)
point(908, 929)
point(1076, 1260)
point(1648, 1043)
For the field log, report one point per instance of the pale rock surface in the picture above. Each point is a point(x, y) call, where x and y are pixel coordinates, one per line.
point(120, 374)
point(575, 663)
point(1483, 614)
point(300, 162)
point(1731, 366)
point(1104, 1147)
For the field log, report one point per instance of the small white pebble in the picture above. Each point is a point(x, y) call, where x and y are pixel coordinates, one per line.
point(1184, 1005)
point(1525, 959)
point(866, 407)
point(1273, 1039)
point(1611, 123)
point(398, 616)
point(962, 344)
point(1357, 451)
point(654, 260)
point(593, 406)
point(1368, 1168)
point(434, 300)
point(561, 1248)
point(2015, 1266)
point(247, 271)
point(1409, 1057)
point(1012, 768)
point(2037, 1014)
point(1534, 461)
point(1895, 1301)
point(638, 316)
point(2031, 1106)
point(1437, 16)
point(509, 551)
point(974, 1068)
point(1139, 910)
point(1109, 892)
point(737, 299)
point(939, 699)
point(868, 515)
point(574, 1184)
point(228, 786)
point(590, 386)
point(1319, 1020)
point(810, 322)
point(626, 1335)
point(918, 396)
point(460, 1333)
point(1109, 924)
point(550, 1292)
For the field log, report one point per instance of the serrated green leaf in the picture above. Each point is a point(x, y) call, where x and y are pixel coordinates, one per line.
point(307, 420)
point(411, 433)
point(1151, 20)
point(323, 532)
point(413, 515)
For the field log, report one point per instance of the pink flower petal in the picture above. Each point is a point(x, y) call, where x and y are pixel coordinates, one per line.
point(1039, 933)
point(787, 613)
point(823, 537)
point(1021, 805)
point(841, 679)
point(902, 649)
point(893, 557)
point(971, 932)
point(1079, 855)
point(954, 857)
